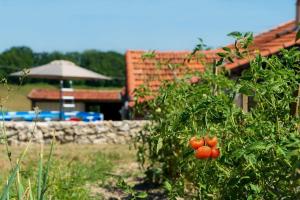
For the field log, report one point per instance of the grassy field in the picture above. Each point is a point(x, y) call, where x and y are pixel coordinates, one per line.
point(77, 171)
point(15, 97)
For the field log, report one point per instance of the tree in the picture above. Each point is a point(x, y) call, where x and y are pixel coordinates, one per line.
point(108, 63)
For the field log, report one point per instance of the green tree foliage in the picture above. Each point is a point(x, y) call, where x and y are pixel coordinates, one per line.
point(14, 58)
point(107, 63)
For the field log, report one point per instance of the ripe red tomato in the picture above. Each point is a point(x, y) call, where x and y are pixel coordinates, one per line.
point(212, 142)
point(215, 153)
point(203, 152)
point(195, 143)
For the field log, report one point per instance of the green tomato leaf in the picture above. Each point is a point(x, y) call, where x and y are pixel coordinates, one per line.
point(247, 91)
point(159, 145)
point(168, 186)
point(226, 49)
point(221, 54)
point(142, 195)
point(297, 36)
point(255, 188)
point(235, 34)
point(246, 75)
point(220, 62)
point(230, 59)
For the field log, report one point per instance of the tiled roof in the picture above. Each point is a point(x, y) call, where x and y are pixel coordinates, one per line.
point(271, 42)
point(79, 95)
point(140, 71)
point(153, 71)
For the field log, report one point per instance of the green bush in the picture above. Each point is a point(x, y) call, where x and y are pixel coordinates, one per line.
point(260, 149)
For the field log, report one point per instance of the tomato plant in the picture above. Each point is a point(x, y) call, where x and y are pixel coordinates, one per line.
point(260, 149)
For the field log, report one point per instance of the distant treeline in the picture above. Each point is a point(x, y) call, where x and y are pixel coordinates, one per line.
point(107, 63)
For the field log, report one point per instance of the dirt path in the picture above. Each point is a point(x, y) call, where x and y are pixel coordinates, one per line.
point(133, 176)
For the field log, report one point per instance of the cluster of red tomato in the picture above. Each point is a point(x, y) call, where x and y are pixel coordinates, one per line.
point(205, 147)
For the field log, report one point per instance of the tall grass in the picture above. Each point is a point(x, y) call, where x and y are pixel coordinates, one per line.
point(69, 177)
point(24, 192)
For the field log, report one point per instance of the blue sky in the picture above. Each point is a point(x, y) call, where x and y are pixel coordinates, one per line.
point(77, 25)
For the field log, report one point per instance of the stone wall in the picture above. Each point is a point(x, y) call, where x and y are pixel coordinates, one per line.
point(103, 132)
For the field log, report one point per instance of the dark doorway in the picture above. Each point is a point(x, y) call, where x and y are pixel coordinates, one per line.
point(110, 110)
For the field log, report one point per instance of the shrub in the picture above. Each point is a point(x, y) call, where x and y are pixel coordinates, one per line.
point(260, 149)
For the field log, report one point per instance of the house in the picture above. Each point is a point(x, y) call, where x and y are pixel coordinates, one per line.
point(108, 102)
point(141, 71)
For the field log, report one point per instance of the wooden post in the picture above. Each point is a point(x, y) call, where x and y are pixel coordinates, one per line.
point(245, 103)
point(215, 87)
point(295, 106)
point(297, 103)
point(297, 13)
point(61, 100)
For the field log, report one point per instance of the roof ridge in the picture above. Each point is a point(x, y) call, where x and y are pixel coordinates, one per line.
point(87, 89)
point(174, 52)
point(274, 28)
point(158, 51)
point(103, 95)
point(98, 90)
point(269, 42)
point(211, 50)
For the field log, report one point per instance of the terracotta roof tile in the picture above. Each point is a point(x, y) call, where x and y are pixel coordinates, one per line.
point(152, 71)
point(141, 71)
point(79, 95)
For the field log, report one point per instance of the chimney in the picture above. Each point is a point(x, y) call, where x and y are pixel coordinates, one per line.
point(298, 13)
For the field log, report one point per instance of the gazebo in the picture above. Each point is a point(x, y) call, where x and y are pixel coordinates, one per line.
point(64, 71)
